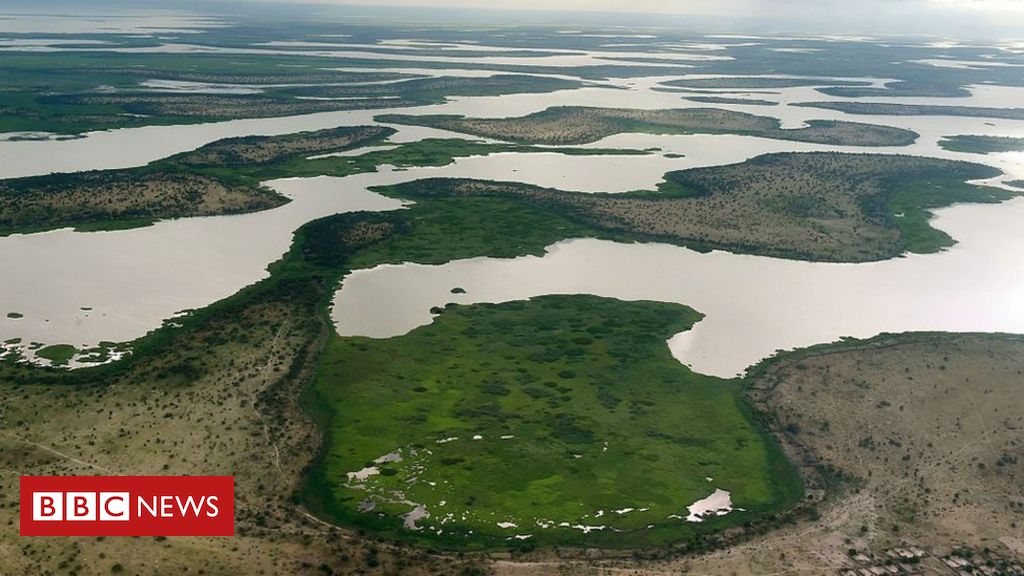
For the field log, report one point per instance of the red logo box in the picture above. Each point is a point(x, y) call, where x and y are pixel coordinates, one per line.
point(127, 505)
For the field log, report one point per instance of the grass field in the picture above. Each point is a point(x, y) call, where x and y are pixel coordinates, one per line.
point(536, 421)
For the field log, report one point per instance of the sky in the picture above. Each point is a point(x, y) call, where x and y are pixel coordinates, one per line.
point(711, 7)
point(991, 19)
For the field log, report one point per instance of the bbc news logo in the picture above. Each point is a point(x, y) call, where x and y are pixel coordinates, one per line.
point(127, 505)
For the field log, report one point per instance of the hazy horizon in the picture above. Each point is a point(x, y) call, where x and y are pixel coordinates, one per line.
point(994, 19)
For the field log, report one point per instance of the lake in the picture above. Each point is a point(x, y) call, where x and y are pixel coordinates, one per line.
point(132, 280)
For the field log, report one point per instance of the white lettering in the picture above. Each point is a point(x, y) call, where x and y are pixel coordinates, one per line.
point(190, 504)
point(143, 503)
point(214, 510)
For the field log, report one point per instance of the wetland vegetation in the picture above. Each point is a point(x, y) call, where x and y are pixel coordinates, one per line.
point(619, 437)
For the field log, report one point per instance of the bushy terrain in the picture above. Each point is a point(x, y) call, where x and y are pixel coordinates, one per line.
point(171, 188)
point(580, 125)
point(810, 206)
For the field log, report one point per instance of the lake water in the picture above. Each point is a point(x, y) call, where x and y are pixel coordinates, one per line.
point(134, 279)
point(753, 305)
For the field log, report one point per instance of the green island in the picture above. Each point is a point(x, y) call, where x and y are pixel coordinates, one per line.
point(581, 125)
point(563, 420)
point(730, 100)
point(884, 109)
point(57, 354)
point(819, 206)
point(982, 144)
point(223, 177)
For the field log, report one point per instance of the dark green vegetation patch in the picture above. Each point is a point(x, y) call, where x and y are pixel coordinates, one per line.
point(57, 354)
point(560, 415)
point(982, 144)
